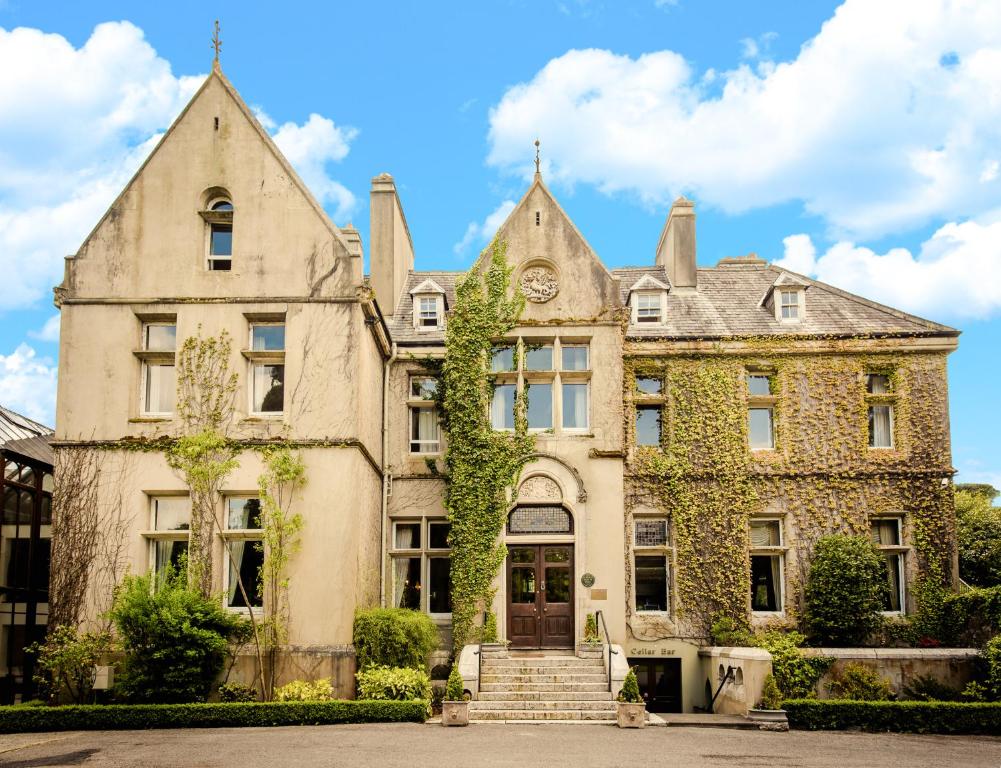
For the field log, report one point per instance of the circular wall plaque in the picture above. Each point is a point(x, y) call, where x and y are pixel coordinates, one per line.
point(587, 579)
point(539, 284)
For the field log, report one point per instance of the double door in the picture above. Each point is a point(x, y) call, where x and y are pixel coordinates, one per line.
point(540, 596)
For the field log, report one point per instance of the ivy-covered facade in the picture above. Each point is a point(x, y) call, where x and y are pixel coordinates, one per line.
point(677, 437)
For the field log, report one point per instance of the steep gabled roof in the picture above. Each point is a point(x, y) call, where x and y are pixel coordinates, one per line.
point(217, 75)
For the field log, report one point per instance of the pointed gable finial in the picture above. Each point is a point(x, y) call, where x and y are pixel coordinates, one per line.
point(536, 157)
point(216, 42)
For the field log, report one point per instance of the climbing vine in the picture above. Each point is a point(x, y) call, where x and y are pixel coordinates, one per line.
point(821, 477)
point(480, 463)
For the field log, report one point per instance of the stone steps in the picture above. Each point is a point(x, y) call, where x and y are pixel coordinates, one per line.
point(551, 714)
point(536, 687)
point(541, 705)
point(558, 662)
point(570, 678)
point(549, 696)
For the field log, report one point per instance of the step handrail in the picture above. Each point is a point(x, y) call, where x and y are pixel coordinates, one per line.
point(600, 621)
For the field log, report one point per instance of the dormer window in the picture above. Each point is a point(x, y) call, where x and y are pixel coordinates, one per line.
point(429, 306)
point(786, 298)
point(219, 218)
point(789, 305)
point(648, 301)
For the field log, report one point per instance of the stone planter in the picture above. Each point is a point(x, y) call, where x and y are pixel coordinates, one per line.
point(631, 715)
point(769, 719)
point(455, 713)
point(590, 650)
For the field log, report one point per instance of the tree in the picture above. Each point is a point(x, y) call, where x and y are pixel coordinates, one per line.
point(978, 529)
point(845, 590)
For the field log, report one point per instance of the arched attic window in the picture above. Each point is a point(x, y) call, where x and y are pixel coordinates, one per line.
point(218, 217)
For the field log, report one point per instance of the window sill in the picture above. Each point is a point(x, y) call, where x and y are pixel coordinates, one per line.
point(768, 614)
point(151, 419)
point(418, 456)
point(763, 450)
point(257, 418)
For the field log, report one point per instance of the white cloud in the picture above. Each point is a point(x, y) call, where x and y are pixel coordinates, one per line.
point(309, 147)
point(955, 274)
point(28, 384)
point(48, 332)
point(479, 233)
point(888, 117)
point(75, 123)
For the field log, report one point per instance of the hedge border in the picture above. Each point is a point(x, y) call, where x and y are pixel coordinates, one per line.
point(947, 717)
point(100, 717)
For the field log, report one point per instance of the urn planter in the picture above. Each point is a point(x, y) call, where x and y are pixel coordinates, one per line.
point(455, 713)
point(631, 715)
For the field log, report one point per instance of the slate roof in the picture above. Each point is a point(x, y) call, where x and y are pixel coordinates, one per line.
point(726, 302)
point(14, 426)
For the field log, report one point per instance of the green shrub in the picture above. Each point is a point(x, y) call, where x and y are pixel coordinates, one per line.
point(845, 591)
point(394, 637)
point(991, 655)
point(455, 687)
point(978, 536)
point(591, 629)
point(231, 692)
point(65, 662)
point(306, 690)
point(972, 617)
point(859, 683)
point(394, 684)
point(489, 633)
point(630, 693)
point(975, 691)
point(930, 688)
point(771, 696)
point(174, 639)
point(900, 716)
point(795, 674)
point(256, 714)
point(729, 632)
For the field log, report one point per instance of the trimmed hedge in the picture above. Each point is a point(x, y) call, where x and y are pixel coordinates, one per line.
point(123, 717)
point(900, 716)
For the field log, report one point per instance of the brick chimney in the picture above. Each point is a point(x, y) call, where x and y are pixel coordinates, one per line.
point(392, 250)
point(676, 249)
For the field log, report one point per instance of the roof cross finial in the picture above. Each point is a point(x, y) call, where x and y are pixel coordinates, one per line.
point(216, 42)
point(537, 156)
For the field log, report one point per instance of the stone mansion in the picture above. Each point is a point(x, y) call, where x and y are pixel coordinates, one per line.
point(697, 428)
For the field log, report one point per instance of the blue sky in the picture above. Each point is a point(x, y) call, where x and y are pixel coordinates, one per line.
point(858, 143)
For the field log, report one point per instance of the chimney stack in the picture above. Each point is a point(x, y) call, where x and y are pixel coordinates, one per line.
point(676, 249)
point(392, 250)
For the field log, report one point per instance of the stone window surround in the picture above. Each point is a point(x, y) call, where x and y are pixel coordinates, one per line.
point(228, 535)
point(425, 552)
point(665, 550)
point(767, 402)
point(262, 357)
point(901, 550)
point(647, 399)
point(418, 403)
point(770, 551)
point(873, 399)
point(153, 357)
point(213, 217)
point(557, 377)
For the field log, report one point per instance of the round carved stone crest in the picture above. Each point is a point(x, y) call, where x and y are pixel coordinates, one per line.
point(539, 284)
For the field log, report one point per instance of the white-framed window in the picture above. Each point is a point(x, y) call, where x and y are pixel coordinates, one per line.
point(880, 399)
point(159, 374)
point(420, 562)
point(648, 307)
point(168, 533)
point(761, 403)
point(267, 368)
point(651, 564)
point(554, 375)
point(790, 302)
point(427, 311)
point(767, 550)
point(219, 218)
point(425, 430)
point(243, 554)
point(886, 535)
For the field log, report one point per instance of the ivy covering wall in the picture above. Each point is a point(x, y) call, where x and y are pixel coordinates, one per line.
point(821, 477)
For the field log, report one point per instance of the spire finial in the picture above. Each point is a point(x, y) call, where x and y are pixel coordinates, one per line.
point(216, 42)
point(537, 156)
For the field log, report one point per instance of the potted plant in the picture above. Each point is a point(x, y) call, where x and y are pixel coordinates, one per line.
point(631, 709)
point(591, 645)
point(769, 713)
point(455, 707)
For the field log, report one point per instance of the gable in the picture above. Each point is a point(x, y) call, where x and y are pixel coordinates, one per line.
point(152, 242)
point(561, 275)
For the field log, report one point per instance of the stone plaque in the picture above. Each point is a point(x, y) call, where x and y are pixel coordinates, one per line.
point(599, 594)
point(539, 284)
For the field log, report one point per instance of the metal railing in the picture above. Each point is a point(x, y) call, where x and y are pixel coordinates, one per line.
point(600, 621)
point(729, 675)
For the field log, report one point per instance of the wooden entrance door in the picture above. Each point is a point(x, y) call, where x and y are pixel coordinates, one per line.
point(540, 596)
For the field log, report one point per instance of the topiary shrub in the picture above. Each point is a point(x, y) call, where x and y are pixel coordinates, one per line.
point(859, 683)
point(771, 696)
point(393, 684)
point(231, 692)
point(306, 690)
point(795, 674)
point(845, 590)
point(455, 687)
point(630, 693)
point(174, 639)
point(394, 637)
